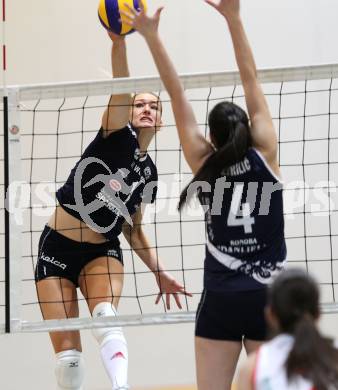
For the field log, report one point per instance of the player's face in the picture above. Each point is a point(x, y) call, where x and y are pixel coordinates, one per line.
point(146, 112)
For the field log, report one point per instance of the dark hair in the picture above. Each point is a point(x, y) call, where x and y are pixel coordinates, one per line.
point(294, 300)
point(230, 134)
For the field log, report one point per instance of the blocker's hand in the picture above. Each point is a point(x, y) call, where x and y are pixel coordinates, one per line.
point(228, 8)
point(140, 21)
point(169, 286)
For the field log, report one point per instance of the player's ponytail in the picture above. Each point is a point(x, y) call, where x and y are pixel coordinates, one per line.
point(230, 134)
point(313, 355)
point(294, 300)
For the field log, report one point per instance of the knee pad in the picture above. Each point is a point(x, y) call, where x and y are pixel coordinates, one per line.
point(69, 370)
point(103, 335)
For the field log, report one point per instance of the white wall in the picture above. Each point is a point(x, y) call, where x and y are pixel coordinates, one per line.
point(52, 41)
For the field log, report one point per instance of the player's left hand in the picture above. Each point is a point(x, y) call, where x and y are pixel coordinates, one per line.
point(169, 286)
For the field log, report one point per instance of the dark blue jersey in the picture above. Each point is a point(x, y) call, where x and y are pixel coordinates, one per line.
point(245, 226)
point(109, 182)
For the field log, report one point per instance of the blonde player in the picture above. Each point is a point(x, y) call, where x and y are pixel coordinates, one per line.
point(79, 246)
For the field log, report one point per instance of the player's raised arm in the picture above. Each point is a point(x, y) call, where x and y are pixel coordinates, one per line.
point(117, 114)
point(262, 129)
point(195, 147)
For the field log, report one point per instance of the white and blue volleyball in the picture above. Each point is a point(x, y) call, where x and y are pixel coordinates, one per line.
point(110, 14)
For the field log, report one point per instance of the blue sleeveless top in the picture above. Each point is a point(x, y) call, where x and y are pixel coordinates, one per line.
point(245, 227)
point(109, 182)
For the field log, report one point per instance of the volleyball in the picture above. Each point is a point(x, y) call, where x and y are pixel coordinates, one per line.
point(110, 14)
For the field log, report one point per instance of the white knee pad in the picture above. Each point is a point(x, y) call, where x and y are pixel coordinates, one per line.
point(102, 335)
point(69, 370)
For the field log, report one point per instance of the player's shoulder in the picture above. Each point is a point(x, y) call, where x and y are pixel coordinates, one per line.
point(259, 163)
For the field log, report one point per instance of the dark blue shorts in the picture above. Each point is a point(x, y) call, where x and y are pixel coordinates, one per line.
point(62, 257)
point(232, 315)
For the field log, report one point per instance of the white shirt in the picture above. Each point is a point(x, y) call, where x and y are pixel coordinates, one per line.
point(270, 370)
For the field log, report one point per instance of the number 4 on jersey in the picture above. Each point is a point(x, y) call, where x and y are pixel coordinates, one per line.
point(239, 214)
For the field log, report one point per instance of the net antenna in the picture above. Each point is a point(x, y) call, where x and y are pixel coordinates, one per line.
point(46, 128)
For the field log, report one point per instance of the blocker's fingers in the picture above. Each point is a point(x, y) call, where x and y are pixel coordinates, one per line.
point(127, 16)
point(128, 22)
point(211, 3)
point(131, 9)
point(158, 12)
point(142, 5)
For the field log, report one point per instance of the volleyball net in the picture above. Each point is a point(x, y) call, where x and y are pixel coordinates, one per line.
point(46, 128)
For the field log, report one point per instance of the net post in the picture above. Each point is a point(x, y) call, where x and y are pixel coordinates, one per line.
point(6, 217)
point(12, 227)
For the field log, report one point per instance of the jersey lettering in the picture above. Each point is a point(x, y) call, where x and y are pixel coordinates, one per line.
point(239, 215)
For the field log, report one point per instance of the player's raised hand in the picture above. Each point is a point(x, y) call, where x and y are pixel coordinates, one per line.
point(138, 19)
point(228, 8)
